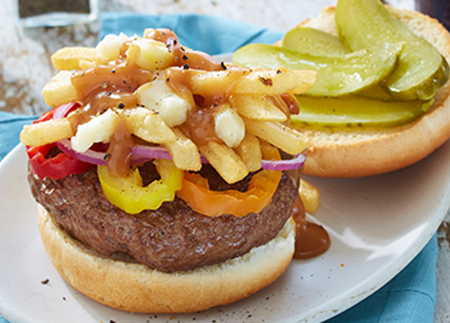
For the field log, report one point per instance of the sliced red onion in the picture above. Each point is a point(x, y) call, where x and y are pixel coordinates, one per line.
point(142, 154)
point(156, 152)
point(285, 164)
point(91, 156)
point(94, 157)
point(151, 152)
point(63, 110)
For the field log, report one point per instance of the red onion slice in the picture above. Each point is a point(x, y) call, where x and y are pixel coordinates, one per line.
point(90, 156)
point(285, 164)
point(142, 153)
point(63, 110)
point(151, 152)
point(94, 157)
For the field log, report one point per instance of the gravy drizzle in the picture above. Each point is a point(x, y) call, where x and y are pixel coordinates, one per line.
point(311, 240)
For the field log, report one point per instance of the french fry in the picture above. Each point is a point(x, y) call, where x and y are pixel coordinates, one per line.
point(225, 161)
point(203, 82)
point(60, 90)
point(250, 152)
point(256, 108)
point(279, 135)
point(310, 196)
point(184, 152)
point(274, 82)
point(68, 58)
point(147, 125)
point(46, 132)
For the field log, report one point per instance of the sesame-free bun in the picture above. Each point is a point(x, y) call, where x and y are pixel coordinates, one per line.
point(364, 152)
point(124, 284)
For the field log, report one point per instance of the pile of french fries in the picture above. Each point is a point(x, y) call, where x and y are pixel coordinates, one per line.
point(247, 111)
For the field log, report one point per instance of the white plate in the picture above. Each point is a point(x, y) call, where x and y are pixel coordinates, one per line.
point(377, 226)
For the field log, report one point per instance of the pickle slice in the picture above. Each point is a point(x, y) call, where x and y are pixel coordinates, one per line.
point(353, 111)
point(368, 24)
point(337, 75)
point(316, 42)
point(312, 41)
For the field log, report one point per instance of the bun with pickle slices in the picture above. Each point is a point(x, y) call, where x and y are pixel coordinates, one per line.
point(381, 122)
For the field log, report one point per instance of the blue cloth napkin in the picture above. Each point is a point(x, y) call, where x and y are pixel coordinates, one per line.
point(409, 297)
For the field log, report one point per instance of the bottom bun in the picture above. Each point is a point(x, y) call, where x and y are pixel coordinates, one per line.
point(129, 286)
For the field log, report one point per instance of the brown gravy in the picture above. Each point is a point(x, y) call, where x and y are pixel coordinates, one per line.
point(311, 240)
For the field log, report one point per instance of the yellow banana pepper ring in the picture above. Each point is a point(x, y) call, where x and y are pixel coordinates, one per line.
point(128, 194)
point(196, 193)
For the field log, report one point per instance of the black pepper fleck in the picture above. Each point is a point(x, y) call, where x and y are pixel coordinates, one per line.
point(121, 105)
point(113, 71)
point(45, 281)
point(186, 66)
point(106, 157)
point(168, 79)
point(184, 57)
point(223, 65)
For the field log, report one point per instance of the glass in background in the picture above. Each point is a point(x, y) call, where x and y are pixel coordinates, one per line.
point(50, 13)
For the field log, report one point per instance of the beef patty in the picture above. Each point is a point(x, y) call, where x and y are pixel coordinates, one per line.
point(170, 239)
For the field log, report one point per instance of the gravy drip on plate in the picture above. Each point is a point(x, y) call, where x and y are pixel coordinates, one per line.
point(311, 240)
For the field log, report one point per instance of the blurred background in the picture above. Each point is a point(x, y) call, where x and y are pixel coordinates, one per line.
point(25, 52)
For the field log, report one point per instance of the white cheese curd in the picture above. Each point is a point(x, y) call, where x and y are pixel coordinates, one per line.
point(109, 47)
point(152, 55)
point(159, 97)
point(229, 126)
point(98, 129)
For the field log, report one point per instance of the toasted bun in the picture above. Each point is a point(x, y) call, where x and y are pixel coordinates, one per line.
point(127, 285)
point(364, 152)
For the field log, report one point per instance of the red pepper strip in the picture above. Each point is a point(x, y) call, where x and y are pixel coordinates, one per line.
point(56, 167)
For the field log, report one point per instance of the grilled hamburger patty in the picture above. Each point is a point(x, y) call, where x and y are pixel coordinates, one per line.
point(170, 239)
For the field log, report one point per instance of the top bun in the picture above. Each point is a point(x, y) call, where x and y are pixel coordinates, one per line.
point(364, 152)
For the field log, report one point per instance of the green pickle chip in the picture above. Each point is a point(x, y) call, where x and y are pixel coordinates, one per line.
point(354, 111)
point(337, 75)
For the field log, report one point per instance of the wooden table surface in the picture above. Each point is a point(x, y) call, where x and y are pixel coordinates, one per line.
point(25, 65)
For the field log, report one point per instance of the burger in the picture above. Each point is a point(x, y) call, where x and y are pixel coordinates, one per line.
point(166, 181)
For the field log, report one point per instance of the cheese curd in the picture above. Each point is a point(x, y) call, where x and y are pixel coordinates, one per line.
point(159, 97)
point(98, 129)
point(229, 126)
point(150, 54)
point(109, 47)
